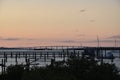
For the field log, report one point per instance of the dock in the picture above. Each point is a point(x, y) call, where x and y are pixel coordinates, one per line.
point(46, 53)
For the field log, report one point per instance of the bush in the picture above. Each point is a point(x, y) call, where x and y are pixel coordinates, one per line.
point(72, 69)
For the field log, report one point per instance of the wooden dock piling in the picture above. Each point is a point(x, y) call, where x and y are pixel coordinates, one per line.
point(16, 59)
point(46, 53)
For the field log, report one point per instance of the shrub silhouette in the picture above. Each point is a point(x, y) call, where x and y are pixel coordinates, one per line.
point(72, 69)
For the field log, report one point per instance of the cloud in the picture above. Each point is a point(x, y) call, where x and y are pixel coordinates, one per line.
point(67, 41)
point(107, 40)
point(82, 10)
point(23, 39)
point(9, 39)
point(15, 39)
point(92, 20)
point(114, 37)
point(86, 41)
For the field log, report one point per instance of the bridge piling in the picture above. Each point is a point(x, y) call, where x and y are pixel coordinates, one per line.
point(54, 52)
point(119, 53)
point(11, 55)
point(16, 59)
point(26, 58)
point(105, 53)
point(2, 66)
point(54, 57)
point(35, 56)
point(19, 54)
point(45, 57)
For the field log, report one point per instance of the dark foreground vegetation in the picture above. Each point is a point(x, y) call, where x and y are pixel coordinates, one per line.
point(72, 69)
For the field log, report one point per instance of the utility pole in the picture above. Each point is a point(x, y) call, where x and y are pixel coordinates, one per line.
point(98, 41)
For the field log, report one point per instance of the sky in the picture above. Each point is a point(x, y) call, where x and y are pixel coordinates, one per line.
point(28, 23)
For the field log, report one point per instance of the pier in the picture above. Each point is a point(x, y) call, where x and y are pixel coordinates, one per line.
point(30, 56)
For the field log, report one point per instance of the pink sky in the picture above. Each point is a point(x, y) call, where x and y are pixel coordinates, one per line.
point(59, 22)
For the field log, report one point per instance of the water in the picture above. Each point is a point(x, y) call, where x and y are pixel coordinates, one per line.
point(42, 62)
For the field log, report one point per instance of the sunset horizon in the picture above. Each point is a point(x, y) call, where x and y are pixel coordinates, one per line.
point(29, 23)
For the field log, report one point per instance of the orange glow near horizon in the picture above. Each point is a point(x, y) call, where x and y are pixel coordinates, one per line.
point(64, 22)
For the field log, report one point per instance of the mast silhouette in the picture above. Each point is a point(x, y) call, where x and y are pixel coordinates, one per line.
point(98, 41)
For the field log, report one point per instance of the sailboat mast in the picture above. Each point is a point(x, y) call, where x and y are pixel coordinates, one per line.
point(98, 41)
